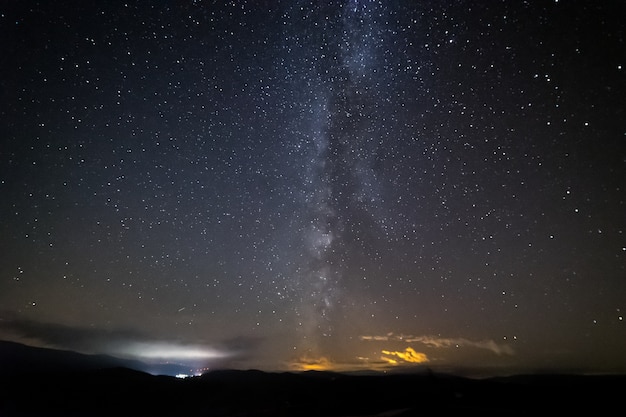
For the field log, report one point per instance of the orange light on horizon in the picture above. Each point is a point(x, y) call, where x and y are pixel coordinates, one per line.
point(312, 364)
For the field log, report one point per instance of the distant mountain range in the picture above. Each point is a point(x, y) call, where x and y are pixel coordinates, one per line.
point(45, 382)
point(19, 358)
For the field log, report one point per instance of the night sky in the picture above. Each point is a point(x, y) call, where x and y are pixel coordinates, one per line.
point(290, 185)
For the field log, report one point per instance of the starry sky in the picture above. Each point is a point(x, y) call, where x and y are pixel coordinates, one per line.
point(291, 185)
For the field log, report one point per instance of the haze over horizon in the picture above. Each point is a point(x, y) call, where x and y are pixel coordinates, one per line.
point(292, 185)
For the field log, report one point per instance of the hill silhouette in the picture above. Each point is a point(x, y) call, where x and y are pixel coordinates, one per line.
point(17, 358)
point(121, 391)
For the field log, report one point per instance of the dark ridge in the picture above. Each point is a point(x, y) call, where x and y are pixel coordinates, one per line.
point(122, 391)
point(17, 358)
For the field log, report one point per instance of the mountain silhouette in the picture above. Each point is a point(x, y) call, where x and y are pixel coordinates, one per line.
point(17, 358)
point(45, 382)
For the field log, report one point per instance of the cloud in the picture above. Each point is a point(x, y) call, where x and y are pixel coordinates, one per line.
point(439, 342)
point(119, 342)
point(307, 363)
point(84, 339)
point(170, 351)
point(375, 338)
point(243, 345)
point(409, 355)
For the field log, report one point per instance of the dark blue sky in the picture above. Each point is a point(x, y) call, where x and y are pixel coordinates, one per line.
point(345, 185)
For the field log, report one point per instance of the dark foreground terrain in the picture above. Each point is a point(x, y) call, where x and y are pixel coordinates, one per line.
point(125, 392)
point(38, 382)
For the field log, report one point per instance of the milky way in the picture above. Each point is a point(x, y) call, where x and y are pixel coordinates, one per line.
point(310, 185)
point(343, 143)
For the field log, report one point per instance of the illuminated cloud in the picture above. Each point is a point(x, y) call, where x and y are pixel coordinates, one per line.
point(409, 355)
point(375, 338)
point(389, 360)
point(170, 351)
point(120, 342)
point(306, 363)
point(439, 342)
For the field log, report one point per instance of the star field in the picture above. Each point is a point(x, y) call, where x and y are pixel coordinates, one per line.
point(304, 185)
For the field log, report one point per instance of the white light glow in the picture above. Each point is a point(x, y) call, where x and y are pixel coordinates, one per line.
point(171, 351)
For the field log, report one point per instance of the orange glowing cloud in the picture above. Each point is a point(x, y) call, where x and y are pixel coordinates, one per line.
point(439, 342)
point(311, 364)
point(409, 355)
